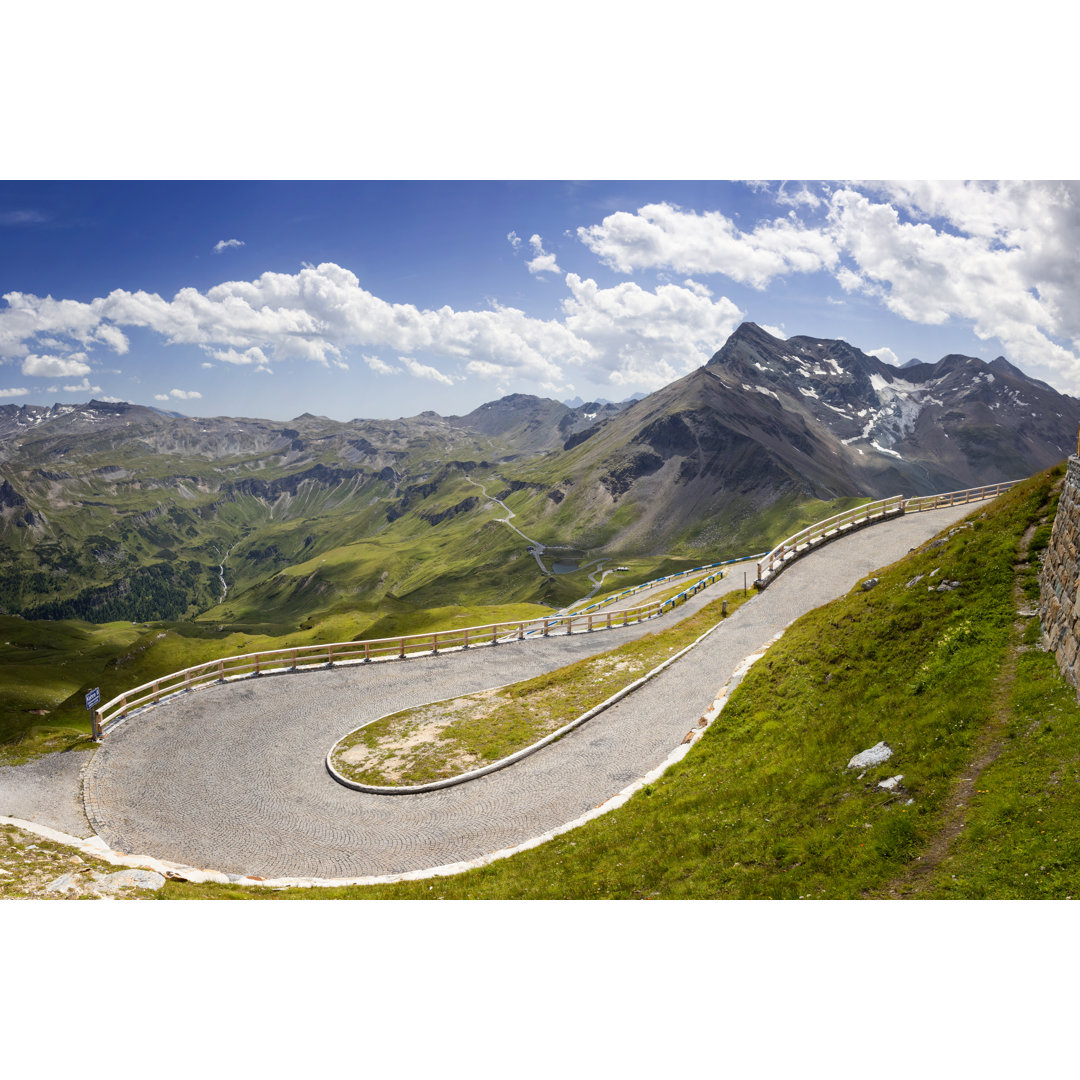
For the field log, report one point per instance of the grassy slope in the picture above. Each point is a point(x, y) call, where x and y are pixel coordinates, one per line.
point(764, 805)
point(527, 711)
point(318, 583)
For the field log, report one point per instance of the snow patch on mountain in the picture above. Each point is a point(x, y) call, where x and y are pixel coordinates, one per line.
point(885, 450)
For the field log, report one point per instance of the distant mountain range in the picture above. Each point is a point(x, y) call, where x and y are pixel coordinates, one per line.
point(121, 511)
point(768, 422)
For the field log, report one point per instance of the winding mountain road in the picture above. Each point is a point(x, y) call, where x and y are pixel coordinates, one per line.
point(232, 778)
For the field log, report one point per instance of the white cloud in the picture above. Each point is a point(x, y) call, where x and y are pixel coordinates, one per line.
point(253, 356)
point(664, 236)
point(221, 245)
point(83, 388)
point(998, 255)
point(799, 196)
point(543, 262)
point(114, 400)
point(161, 397)
point(424, 371)
point(485, 369)
point(183, 395)
point(1003, 258)
point(776, 331)
point(18, 391)
point(626, 335)
point(515, 240)
point(318, 312)
point(313, 315)
point(206, 364)
point(381, 367)
point(885, 354)
point(55, 367)
point(645, 338)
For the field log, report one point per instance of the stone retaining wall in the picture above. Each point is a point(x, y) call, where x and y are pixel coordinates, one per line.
point(1059, 599)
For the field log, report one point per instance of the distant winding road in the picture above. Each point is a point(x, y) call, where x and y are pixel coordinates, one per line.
point(232, 778)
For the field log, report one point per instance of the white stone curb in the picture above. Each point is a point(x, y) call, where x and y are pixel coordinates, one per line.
point(98, 849)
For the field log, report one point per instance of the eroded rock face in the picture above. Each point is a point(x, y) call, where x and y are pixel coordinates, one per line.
point(1058, 601)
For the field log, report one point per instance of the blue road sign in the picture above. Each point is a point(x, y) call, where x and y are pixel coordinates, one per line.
point(93, 697)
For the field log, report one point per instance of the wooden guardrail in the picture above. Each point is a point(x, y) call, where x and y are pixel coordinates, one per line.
point(309, 657)
point(660, 581)
point(799, 543)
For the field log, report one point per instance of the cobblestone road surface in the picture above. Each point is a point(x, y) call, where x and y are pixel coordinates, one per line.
point(232, 778)
point(48, 791)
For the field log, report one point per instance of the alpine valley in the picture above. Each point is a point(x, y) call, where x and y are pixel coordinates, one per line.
point(213, 535)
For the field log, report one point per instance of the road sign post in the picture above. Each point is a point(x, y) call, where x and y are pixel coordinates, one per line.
point(92, 699)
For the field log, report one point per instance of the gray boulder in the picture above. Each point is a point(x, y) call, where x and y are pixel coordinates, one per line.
point(874, 756)
point(130, 879)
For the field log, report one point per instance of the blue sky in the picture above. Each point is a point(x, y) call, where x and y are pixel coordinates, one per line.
point(385, 298)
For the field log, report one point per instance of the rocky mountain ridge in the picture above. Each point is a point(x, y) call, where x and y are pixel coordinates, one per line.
point(96, 494)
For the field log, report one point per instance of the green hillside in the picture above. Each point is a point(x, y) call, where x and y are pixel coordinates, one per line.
point(985, 734)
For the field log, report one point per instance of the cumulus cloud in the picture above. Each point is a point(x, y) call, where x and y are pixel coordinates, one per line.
point(485, 370)
point(515, 240)
point(182, 395)
point(318, 312)
point(252, 356)
point(661, 235)
point(83, 387)
point(55, 367)
point(221, 245)
point(800, 196)
point(314, 315)
point(543, 262)
point(885, 354)
point(647, 338)
point(18, 391)
point(999, 255)
point(381, 367)
point(27, 317)
point(424, 371)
